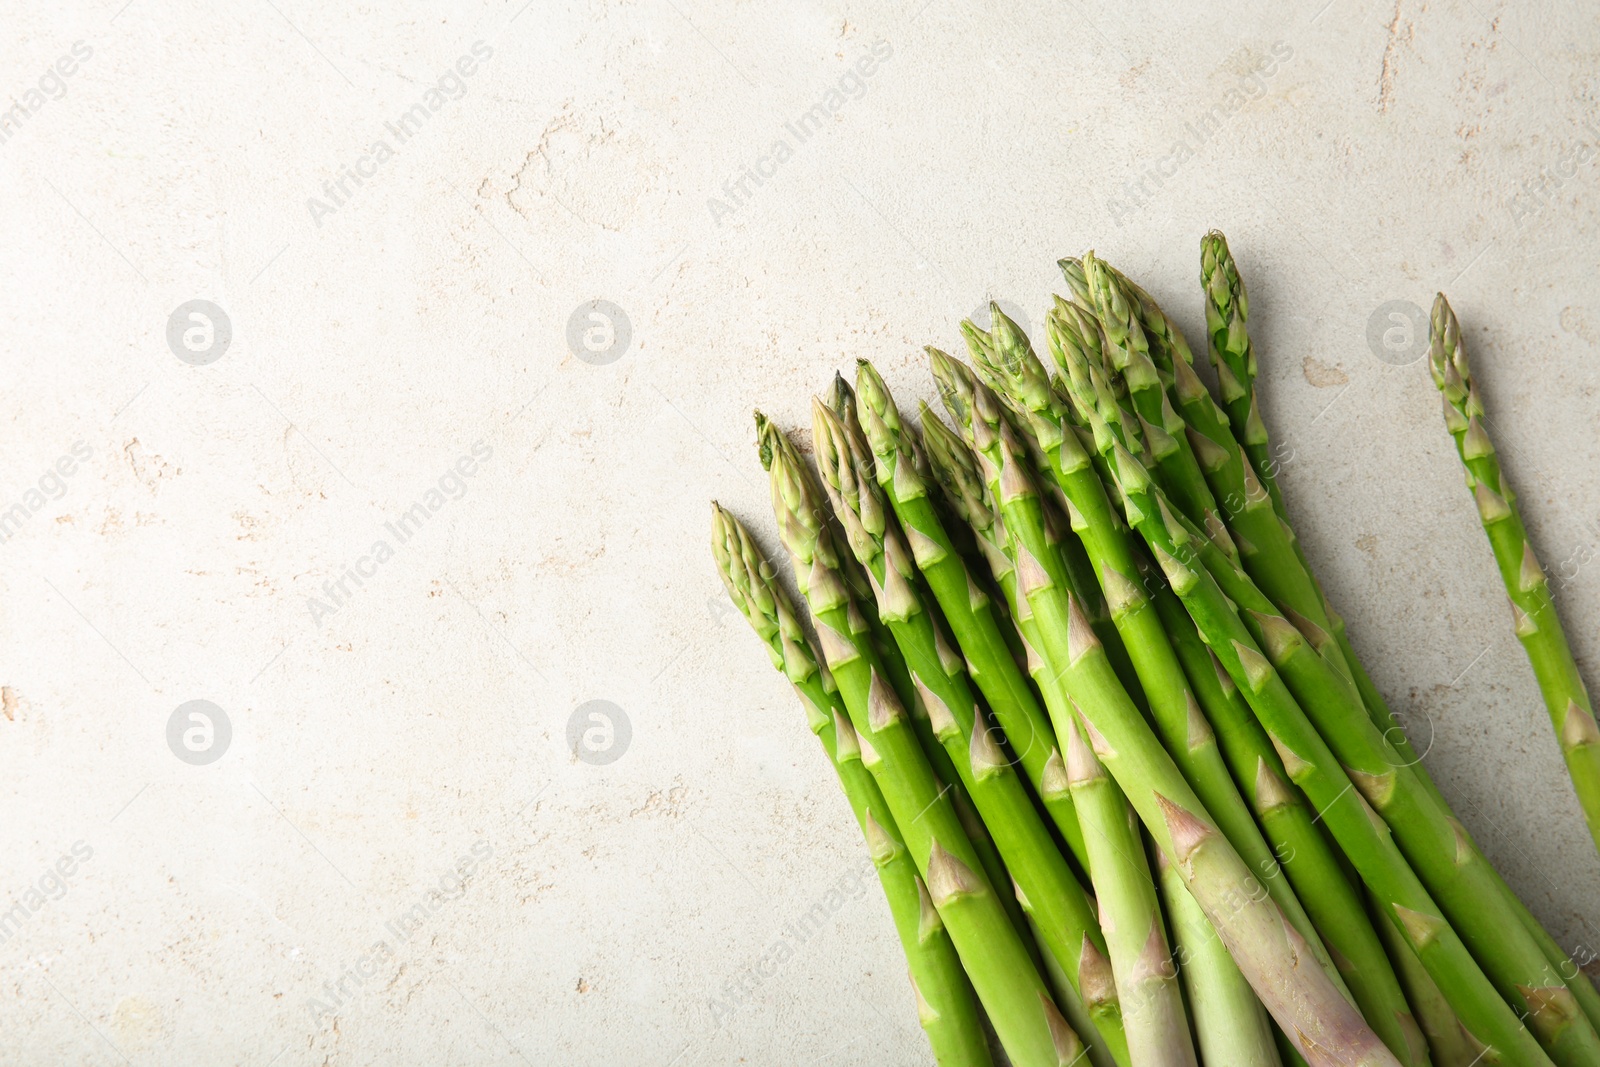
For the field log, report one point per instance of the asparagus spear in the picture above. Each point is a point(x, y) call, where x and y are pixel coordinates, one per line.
point(1230, 1025)
point(1072, 1005)
point(1454, 869)
point(1230, 348)
point(1010, 365)
point(1448, 1040)
point(1077, 282)
point(1270, 952)
point(1361, 833)
point(944, 764)
point(1167, 343)
point(1537, 624)
point(1045, 884)
point(956, 468)
point(1128, 351)
point(1312, 867)
point(1149, 1001)
point(1236, 363)
point(1060, 704)
point(1076, 559)
point(1234, 359)
point(1267, 546)
point(945, 1003)
point(1154, 1017)
point(958, 471)
point(898, 675)
point(1311, 863)
point(1275, 560)
point(1233, 1009)
point(1577, 981)
point(1147, 982)
point(1002, 971)
point(902, 473)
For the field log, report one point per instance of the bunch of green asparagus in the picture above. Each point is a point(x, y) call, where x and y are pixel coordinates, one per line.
point(1131, 795)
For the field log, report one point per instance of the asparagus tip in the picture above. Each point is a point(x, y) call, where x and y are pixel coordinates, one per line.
point(764, 442)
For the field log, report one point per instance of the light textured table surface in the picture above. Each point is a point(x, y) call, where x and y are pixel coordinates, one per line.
point(400, 250)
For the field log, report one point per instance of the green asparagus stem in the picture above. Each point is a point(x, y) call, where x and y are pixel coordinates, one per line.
point(1456, 872)
point(956, 468)
point(1147, 982)
point(1231, 475)
point(1361, 833)
point(902, 473)
point(1072, 1005)
point(1268, 949)
point(899, 677)
point(1450, 1042)
point(1266, 544)
point(1308, 859)
point(1386, 721)
point(1537, 624)
point(1230, 1024)
point(1045, 884)
point(1074, 556)
point(1234, 360)
point(1329, 898)
point(945, 1002)
point(944, 764)
point(1002, 971)
point(1128, 351)
point(1009, 364)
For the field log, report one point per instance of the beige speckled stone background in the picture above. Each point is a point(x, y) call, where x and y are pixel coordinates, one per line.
point(387, 735)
